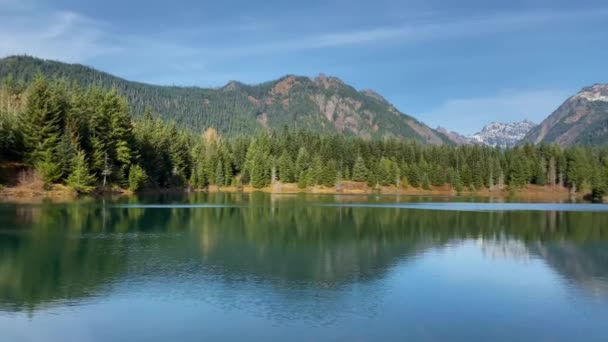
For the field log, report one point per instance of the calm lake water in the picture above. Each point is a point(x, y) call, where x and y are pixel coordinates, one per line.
point(296, 267)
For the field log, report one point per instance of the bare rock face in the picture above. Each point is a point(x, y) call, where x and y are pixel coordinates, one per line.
point(283, 87)
point(330, 104)
point(327, 82)
point(582, 119)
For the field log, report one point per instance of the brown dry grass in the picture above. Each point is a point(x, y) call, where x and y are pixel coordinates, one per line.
point(29, 187)
point(531, 192)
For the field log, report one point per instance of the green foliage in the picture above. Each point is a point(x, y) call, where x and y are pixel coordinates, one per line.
point(258, 161)
point(137, 178)
point(47, 166)
point(426, 184)
point(286, 168)
point(414, 176)
point(80, 179)
point(219, 173)
point(303, 180)
point(359, 170)
point(329, 174)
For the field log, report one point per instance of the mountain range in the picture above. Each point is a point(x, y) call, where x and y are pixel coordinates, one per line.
point(503, 134)
point(495, 134)
point(582, 119)
point(322, 104)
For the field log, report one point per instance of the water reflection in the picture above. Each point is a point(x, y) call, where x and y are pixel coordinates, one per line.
point(70, 253)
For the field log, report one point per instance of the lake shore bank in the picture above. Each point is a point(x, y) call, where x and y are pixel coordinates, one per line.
point(60, 193)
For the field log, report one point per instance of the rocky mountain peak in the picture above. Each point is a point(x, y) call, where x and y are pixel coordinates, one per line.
point(502, 134)
point(581, 119)
point(328, 82)
point(596, 92)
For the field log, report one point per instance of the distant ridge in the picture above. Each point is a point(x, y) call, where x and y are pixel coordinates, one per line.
point(581, 119)
point(323, 104)
point(495, 134)
point(500, 134)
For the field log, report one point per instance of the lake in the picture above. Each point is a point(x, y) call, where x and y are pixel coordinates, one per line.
point(303, 268)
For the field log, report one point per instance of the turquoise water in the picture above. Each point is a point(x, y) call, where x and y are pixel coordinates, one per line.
point(254, 267)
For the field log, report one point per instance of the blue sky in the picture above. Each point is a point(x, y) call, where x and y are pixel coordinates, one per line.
point(458, 64)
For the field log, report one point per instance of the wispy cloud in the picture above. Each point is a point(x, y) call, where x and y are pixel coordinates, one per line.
point(63, 35)
point(420, 31)
point(464, 114)
point(71, 36)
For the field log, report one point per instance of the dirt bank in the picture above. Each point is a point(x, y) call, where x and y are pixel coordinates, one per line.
point(32, 191)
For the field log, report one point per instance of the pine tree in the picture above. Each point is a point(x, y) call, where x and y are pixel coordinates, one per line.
point(317, 170)
point(330, 174)
point(80, 179)
point(48, 167)
point(518, 172)
point(426, 184)
point(395, 173)
point(359, 170)
point(260, 176)
point(552, 172)
point(540, 177)
point(42, 127)
point(414, 176)
point(455, 181)
point(137, 178)
point(303, 180)
point(303, 161)
point(219, 174)
point(286, 170)
point(385, 175)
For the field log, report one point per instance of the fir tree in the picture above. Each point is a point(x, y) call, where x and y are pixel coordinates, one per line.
point(48, 167)
point(137, 177)
point(426, 184)
point(80, 179)
point(219, 174)
point(303, 180)
point(286, 170)
point(359, 170)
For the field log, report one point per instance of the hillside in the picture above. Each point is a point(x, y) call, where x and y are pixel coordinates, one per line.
point(582, 119)
point(455, 137)
point(323, 104)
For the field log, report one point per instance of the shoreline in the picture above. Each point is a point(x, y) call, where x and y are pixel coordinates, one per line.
point(60, 193)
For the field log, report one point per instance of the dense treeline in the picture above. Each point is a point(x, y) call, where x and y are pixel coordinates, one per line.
point(87, 139)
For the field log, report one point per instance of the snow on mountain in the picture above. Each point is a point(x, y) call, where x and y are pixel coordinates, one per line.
point(502, 134)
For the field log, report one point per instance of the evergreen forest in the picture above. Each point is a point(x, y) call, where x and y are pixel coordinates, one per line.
point(88, 139)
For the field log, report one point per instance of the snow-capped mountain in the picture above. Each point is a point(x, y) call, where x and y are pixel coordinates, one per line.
point(579, 120)
point(502, 134)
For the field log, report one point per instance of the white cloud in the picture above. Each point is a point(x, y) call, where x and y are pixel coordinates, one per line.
point(63, 35)
point(465, 115)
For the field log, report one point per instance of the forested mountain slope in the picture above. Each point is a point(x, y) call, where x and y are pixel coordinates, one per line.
point(324, 104)
point(582, 119)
